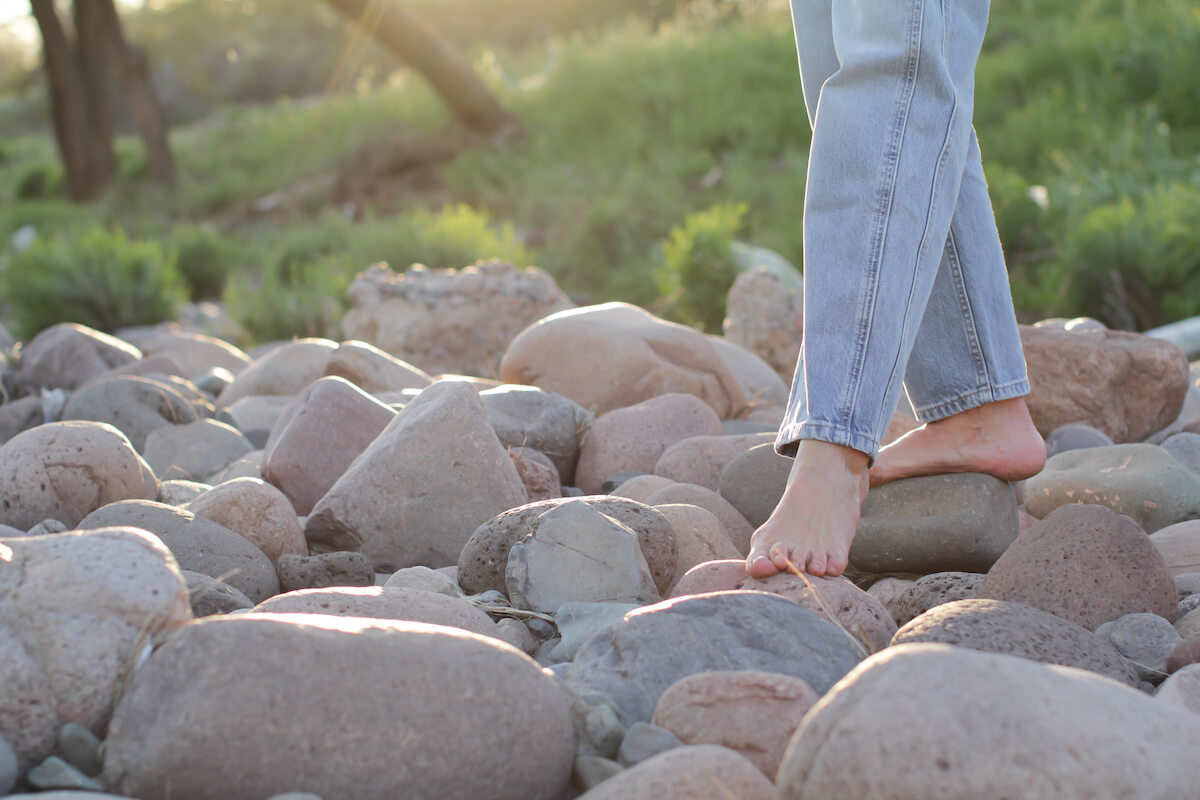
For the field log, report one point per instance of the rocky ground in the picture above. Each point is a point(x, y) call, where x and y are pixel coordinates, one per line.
point(326, 570)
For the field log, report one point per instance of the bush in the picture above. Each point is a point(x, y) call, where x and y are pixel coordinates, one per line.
point(203, 258)
point(99, 278)
point(698, 266)
point(288, 300)
point(39, 181)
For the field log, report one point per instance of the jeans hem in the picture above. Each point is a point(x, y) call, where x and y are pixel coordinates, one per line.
point(792, 433)
point(973, 399)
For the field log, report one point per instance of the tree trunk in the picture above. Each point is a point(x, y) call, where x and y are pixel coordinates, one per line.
point(69, 107)
point(93, 70)
point(133, 72)
point(416, 43)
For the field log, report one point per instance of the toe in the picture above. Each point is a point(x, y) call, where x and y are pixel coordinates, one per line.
point(816, 564)
point(759, 565)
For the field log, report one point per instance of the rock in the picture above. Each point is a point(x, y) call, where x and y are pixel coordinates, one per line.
point(753, 713)
point(931, 591)
point(54, 773)
point(1075, 436)
point(579, 621)
point(735, 526)
point(80, 748)
point(1182, 689)
point(700, 459)
point(1185, 653)
point(318, 436)
point(919, 719)
point(198, 544)
point(1185, 448)
point(753, 482)
point(888, 591)
point(450, 321)
point(639, 487)
point(134, 406)
point(182, 720)
point(1179, 545)
point(576, 553)
point(418, 491)
point(195, 451)
point(46, 526)
point(687, 773)
point(339, 568)
point(1189, 624)
point(517, 634)
point(700, 538)
point(766, 316)
point(256, 510)
point(10, 770)
point(766, 393)
point(65, 356)
point(590, 771)
point(196, 353)
point(1015, 629)
point(635, 660)
point(373, 370)
point(78, 610)
point(541, 481)
point(212, 596)
point(248, 466)
point(288, 369)
point(643, 741)
point(484, 558)
point(429, 580)
point(598, 731)
point(180, 492)
point(1084, 563)
point(941, 523)
point(525, 416)
point(634, 437)
point(836, 599)
point(1139, 480)
point(1125, 384)
point(259, 412)
point(1186, 583)
point(19, 415)
point(1147, 640)
point(615, 355)
point(66, 470)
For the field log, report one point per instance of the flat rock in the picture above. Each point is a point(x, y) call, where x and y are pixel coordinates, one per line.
point(1142, 481)
point(751, 712)
point(76, 610)
point(1015, 629)
point(687, 773)
point(1179, 545)
point(194, 451)
point(927, 720)
point(320, 571)
point(287, 369)
point(135, 406)
point(484, 558)
point(198, 544)
point(615, 355)
point(700, 538)
point(931, 591)
point(65, 356)
point(753, 482)
point(66, 470)
point(1124, 384)
point(369, 695)
point(635, 660)
point(256, 510)
point(1086, 564)
point(373, 370)
point(939, 523)
point(526, 416)
point(701, 459)
point(419, 490)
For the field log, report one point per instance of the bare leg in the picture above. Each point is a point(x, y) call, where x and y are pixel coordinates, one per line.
point(817, 517)
point(996, 438)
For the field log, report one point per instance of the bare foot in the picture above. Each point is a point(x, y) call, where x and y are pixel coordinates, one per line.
point(816, 519)
point(998, 439)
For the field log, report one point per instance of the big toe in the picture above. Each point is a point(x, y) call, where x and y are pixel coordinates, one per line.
point(760, 565)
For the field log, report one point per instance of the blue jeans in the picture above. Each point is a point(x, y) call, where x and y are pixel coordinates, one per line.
point(905, 281)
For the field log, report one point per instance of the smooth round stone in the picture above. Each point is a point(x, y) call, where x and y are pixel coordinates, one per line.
point(1146, 640)
point(1075, 436)
point(1185, 447)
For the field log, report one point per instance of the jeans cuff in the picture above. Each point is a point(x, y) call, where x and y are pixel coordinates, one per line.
point(790, 435)
point(973, 399)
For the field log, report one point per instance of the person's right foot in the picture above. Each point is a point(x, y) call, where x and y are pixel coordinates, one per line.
point(997, 438)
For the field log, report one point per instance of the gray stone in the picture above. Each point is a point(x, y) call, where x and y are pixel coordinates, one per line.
point(1185, 448)
point(248, 466)
point(46, 526)
point(54, 773)
point(526, 416)
point(700, 460)
point(196, 353)
point(419, 490)
point(590, 771)
point(287, 369)
point(194, 452)
point(213, 381)
point(1187, 583)
point(256, 510)
point(643, 741)
point(68, 355)
point(594, 717)
point(1015, 629)
point(1142, 481)
point(19, 415)
point(753, 482)
point(9, 769)
point(1182, 689)
point(1075, 436)
point(635, 660)
point(930, 591)
point(80, 748)
point(765, 314)
point(135, 406)
point(1146, 640)
point(211, 596)
point(180, 492)
point(574, 552)
point(577, 622)
point(373, 370)
point(198, 544)
point(259, 411)
point(940, 523)
point(339, 568)
point(430, 580)
point(764, 387)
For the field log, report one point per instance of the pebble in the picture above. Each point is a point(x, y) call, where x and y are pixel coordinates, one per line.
point(55, 773)
point(644, 740)
point(340, 568)
point(80, 748)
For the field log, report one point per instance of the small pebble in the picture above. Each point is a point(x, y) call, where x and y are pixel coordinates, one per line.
point(54, 773)
point(643, 741)
point(590, 771)
point(80, 748)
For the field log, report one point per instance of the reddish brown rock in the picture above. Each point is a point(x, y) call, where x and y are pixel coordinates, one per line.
point(541, 480)
point(931, 591)
point(700, 459)
point(736, 527)
point(1186, 652)
point(1086, 564)
point(642, 487)
point(1179, 545)
point(700, 537)
point(687, 773)
point(752, 713)
point(765, 314)
point(1125, 384)
point(256, 510)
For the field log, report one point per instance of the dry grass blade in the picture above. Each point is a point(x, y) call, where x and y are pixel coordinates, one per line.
point(859, 643)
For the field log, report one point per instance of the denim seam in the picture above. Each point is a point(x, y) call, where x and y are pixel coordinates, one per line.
point(970, 330)
point(792, 433)
point(972, 399)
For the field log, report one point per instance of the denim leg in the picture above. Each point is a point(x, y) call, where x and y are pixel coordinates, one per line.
point(890, 146)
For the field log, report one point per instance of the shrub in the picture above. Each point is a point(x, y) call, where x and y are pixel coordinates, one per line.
point(290, 299)
point(38, 181)
point(203, 259)
point(98, 278)
point(698, 265)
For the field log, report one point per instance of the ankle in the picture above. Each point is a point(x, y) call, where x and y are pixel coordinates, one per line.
point(824, 455)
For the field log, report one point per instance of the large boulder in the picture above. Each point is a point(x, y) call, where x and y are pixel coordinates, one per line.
point(635, 660)
point(931, 720)
point(419, 490)
point(66, 470)
point(765, 314)
point(66, 356)
point(358, 709)
point(135, 406)
point(1125, 384)
point(1084, 563)
point(77, 612)
point(753, 482)
point(526, 416)
point(615, 355)
point(284, 370)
